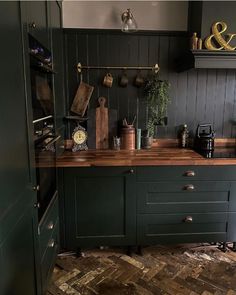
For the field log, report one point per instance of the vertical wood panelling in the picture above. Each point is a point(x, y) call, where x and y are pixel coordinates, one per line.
point(197, 96)
point(201, 95)
point(219, 102)
point(93, 77)
point(210, 96)
point(229, 103)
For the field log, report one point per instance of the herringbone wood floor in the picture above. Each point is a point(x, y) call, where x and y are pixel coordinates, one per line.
point(176, 270)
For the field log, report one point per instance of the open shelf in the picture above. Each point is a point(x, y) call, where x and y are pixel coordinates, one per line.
point(206, 59)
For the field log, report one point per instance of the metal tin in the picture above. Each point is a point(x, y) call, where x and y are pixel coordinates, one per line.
point(128, 138)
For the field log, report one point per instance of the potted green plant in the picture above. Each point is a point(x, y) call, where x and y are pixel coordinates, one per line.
point(157, 95)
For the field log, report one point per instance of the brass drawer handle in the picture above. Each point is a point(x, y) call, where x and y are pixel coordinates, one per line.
point(189, 173)
point(188, 219)
point(51, 243)
point(131, 171)
point(189, 187)
point(50, 225)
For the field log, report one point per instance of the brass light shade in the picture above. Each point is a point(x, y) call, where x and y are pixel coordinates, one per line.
point(129, 24)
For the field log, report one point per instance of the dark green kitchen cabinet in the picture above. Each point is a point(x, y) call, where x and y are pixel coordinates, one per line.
point(37, 21)
point(57, 48)
point(186, 204)
point(17, 258)
point(147, 205)
point(100, 207)
point(48, 234)
point(24, 268)
point(17, 214)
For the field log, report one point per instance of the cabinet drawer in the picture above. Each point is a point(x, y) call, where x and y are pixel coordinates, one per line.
point(48, 224)
point(178, 228)
point(174, 197)
point(49, 257)
point(176, 173)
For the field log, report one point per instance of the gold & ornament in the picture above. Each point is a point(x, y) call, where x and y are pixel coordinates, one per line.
point(218, 29)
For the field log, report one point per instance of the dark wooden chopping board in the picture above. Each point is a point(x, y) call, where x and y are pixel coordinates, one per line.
point(91, 127)
point(102, 125)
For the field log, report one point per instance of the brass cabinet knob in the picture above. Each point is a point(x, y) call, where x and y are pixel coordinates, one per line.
point(51, 243)
point(36, 188)
point(32, 25)
point(189, 173)
point(188, 219)
point(131, 171)
point(37, 205)
point(50, 225)
point(189, 187)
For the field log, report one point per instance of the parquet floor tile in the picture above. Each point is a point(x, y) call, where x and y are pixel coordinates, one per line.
point(189, 269)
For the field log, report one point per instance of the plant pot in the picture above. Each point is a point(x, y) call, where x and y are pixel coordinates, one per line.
point(147, 142)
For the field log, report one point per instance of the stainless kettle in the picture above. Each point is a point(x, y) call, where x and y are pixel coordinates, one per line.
point(205, 136)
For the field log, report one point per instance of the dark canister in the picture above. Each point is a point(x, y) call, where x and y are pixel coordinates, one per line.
point(204, 137)
point(128, 137)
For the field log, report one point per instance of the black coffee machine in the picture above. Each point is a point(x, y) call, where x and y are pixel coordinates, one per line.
point(204, 140)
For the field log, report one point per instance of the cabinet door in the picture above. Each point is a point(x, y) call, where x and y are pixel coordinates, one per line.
point(58, 79)
point(17, 258)
point(100, 207)
point(57, 54)
point(17, 197)
point(38, 21)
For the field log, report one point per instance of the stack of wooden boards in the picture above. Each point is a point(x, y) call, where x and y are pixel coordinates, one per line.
point(102, 122)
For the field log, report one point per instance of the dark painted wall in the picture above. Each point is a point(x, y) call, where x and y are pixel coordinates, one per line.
point(197, 96)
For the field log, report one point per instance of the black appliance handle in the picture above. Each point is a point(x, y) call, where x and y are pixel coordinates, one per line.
point(203, 125)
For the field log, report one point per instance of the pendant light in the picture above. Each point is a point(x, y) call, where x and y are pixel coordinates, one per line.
point(129, 24)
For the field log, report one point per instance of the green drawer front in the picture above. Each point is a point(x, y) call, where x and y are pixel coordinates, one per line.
point(173, 228)
point(49, 257)
point(177, 173)
point(47, 224)
point(165, 197)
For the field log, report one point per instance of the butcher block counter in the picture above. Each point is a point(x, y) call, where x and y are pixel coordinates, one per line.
point(158, 156)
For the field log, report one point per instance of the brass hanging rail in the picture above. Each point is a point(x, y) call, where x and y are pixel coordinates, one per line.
point(156, 68)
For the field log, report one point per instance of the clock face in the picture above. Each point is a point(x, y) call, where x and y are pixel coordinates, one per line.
point(79, 136)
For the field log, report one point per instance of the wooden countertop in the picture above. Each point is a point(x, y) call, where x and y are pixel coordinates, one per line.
point(153, 157)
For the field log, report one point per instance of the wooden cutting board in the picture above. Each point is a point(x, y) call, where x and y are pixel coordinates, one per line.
point(82, 98)
point(91, 127)
point(102, 140)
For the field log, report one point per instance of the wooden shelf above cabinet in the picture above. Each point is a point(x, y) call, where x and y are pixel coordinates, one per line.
point(207, 59)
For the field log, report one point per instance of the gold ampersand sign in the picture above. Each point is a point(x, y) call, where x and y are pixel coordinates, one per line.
point(218, 29)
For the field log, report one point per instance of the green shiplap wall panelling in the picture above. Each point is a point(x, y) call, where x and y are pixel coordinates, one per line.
point(197, 96)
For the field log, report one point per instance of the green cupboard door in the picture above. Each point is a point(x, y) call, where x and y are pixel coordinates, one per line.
point(17, 258)
point(57, 54)
point(58, 79)
point(37, 21)
point(100, 207)
point(16, 194)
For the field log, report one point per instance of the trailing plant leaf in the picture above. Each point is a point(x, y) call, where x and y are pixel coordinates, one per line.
point(157, 95)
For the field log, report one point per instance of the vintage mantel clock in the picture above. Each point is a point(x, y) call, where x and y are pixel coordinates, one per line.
point(79, 137)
